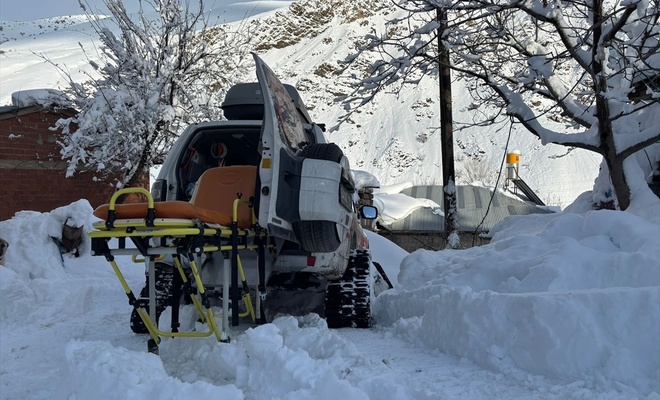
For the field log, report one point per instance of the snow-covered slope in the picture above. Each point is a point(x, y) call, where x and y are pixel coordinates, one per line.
point(396, 137)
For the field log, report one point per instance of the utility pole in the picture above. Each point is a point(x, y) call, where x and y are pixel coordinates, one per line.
point(447, 136)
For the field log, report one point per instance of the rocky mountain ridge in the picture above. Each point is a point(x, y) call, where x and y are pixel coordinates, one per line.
point(396, 137)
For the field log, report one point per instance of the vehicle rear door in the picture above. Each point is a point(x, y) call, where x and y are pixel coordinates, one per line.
point(282, 136)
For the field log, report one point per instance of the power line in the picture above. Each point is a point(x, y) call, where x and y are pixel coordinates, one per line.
point(497, 182)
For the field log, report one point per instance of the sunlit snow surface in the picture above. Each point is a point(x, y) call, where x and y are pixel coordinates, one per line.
point(559, 306)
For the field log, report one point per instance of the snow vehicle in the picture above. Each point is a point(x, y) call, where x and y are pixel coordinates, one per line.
point(260, 198)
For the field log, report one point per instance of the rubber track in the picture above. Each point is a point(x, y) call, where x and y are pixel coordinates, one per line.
point(348, 299)
point(164, 278)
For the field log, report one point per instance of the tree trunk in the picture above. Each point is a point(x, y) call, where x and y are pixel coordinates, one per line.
point(605, 131)
point(618, 178)
point(135, 179)
point(447, 138)
point(612, 159)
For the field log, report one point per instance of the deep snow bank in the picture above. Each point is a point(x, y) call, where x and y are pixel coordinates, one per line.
point(292, 358)
point(573, 297)
point(35, 281)
point(560, 295)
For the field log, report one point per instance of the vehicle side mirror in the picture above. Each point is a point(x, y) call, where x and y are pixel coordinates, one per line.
point(368, 212)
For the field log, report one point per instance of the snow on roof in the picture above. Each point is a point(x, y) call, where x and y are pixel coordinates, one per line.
point(419, 208)
point(37, 97)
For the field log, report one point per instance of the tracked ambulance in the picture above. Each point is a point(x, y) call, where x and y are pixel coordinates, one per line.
point(303, 200)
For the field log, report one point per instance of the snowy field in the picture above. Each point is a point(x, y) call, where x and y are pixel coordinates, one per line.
point(560, 306)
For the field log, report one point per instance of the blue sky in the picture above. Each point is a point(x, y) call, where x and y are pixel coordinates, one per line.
point(28, 10)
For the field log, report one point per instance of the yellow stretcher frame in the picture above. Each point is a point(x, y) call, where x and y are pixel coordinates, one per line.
point(191, 238)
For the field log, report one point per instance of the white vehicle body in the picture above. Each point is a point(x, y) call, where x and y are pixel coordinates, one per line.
point(295, 193)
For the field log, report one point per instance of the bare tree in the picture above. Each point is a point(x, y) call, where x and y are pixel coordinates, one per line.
point(582, 74)
point(165, 68)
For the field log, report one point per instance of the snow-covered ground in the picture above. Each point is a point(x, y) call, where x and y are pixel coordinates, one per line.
point(560, 306)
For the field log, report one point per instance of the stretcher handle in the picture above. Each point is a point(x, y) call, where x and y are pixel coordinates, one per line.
point(112, 214)
point(238, 201)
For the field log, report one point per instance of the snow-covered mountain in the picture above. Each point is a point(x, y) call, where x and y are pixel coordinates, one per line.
point(396, 138)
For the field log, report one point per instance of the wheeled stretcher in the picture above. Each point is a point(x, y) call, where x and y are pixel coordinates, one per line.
point(218, 218)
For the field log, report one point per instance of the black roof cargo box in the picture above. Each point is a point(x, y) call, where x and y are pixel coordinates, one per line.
point(245, 102)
